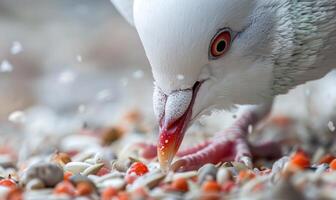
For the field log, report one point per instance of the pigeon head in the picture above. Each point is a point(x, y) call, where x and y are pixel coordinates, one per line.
point(197, 50)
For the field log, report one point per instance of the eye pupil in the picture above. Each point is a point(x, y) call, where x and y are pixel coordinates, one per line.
point(220, 43)
point(221, 46)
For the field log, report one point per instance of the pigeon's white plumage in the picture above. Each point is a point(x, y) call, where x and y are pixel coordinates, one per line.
point(125, 7)
point(279, 44)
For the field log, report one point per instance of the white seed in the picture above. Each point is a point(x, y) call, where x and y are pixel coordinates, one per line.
point(82, 156)
point(98, 158)
point(92, 169)
point(185, 175)
point(35, 184)
point(149, 180)
point(223, 175)
point(112, 175)
point(208, 171)
point(116, 183)
point(76, 167)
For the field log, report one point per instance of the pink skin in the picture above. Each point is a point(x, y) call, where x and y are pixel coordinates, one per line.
point(227, 146)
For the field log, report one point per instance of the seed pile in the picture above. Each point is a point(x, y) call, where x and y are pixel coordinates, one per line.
point(96, 171)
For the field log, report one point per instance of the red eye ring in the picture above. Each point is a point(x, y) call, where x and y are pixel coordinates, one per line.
point(220, 44)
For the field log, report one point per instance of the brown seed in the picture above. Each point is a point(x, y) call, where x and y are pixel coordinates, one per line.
point(110, 135)
point(61, 158)
point(84, 189)
point(132, 116)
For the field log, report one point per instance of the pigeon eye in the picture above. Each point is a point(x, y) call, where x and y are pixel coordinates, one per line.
point(220, 44)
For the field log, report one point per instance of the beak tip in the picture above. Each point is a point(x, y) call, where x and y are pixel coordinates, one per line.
point(165, 155)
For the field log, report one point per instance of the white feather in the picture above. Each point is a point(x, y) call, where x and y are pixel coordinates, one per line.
point(125, 7)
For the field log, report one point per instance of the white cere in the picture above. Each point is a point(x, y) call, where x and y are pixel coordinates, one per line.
point(331, 126)
point(17, 117)
point(6, 66)
point(159, 102)
point(138, 74)
point(177, 104)
point(66, 77)
point(16, 48)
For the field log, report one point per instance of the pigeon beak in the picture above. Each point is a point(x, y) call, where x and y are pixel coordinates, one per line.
point(172, 133)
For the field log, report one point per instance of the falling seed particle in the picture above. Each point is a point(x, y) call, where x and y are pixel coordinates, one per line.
point(79, 58)
point(16, 48)
point(331, 126)
point(166, 141)
point(82, 108)
point(138, 74)
point(6, 66)
point(124, 82)
point(104, 95)
point(17, 117)
point(67, 77)
point(180, 77)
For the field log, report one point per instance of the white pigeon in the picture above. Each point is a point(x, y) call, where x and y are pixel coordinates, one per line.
point(216, 54)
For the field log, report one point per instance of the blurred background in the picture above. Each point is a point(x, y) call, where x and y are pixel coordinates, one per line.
point(68, 55)
point(65, 63)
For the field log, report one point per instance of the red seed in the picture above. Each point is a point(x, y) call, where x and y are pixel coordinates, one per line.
point(123, 196)
point(180, 184)
point(138, 168)
point(103, 171)
point(211, 186)
point(333, 164)
point(109, 193)
point(84, 189)
point(15, 194)
point(326, 159)
point(130, 178)
point(245, 175)
point(281, 120)
point(8, 183)
point(228, 186)
point(65, 188)
point(301, 160)
point(67, 176)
